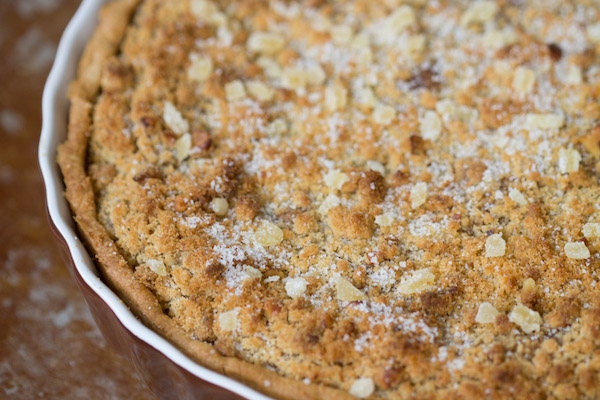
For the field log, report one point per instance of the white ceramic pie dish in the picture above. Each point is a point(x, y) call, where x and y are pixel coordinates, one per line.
point(166, 370)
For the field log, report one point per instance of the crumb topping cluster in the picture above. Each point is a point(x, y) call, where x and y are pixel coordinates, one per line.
point(393, 198)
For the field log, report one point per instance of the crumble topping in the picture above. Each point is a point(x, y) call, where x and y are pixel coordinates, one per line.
point(391, 198)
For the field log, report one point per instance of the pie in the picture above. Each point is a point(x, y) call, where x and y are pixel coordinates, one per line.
point(350, 199)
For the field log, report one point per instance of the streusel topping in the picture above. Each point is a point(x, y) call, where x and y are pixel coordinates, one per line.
point(393, 198)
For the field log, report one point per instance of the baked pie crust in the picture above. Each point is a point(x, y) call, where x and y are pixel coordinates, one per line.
point(394, 199)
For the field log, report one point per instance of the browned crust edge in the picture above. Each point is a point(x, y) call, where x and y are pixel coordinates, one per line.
point(113, 21)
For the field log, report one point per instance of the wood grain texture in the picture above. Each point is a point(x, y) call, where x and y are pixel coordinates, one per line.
point(49, 345)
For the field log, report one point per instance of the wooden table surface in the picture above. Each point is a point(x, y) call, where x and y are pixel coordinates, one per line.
point(49, 344)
